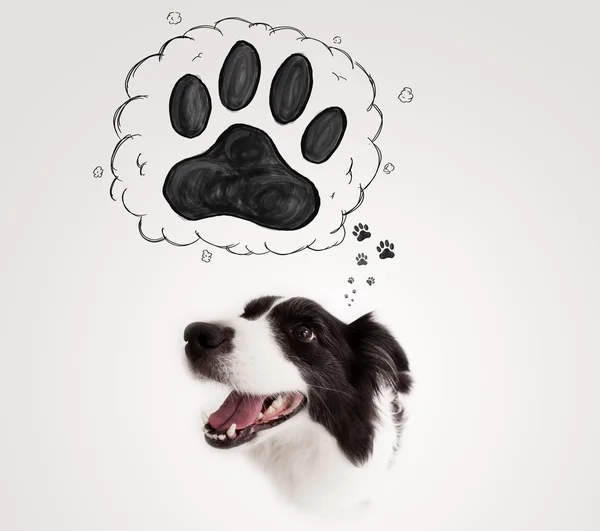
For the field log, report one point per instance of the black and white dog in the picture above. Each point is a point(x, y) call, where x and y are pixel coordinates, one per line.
point(317, 402)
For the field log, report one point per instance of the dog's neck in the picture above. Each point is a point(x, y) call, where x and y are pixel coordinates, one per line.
point(307, 466)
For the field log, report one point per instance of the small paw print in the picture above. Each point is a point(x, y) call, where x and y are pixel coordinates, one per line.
point(361, 232)
point(386, 249)
point(351, 280)
point(370, 281)
point(206, 256)
point(353, 291)
point(361, 259)
point(346, 296)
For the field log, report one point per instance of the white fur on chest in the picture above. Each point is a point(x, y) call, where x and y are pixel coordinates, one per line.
point(307, 465)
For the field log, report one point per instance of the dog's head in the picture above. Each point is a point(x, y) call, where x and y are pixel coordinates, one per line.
point(287, 357)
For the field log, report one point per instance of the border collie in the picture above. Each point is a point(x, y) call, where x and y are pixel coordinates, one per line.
point(315, 401)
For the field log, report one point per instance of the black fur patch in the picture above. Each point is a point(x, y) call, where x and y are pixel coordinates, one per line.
point(258, 307)
point(344, 367)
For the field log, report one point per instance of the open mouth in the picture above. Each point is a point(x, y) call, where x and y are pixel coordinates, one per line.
point(242, 416)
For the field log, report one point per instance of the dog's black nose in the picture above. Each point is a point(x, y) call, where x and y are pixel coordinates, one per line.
point(206, 335)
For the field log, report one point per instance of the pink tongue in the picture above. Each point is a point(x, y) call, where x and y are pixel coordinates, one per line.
point(241, 409)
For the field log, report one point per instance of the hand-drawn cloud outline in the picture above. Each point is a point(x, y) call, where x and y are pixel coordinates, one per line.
point(140, 160)
point(406, 95)
point(174, 17)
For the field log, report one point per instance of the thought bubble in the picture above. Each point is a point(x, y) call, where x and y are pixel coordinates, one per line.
point(337, 40)
point(272, 161)
point(388, 168)
point(406, 95)
point(174, 17)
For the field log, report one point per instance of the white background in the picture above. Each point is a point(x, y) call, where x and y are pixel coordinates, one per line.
point(493, 291)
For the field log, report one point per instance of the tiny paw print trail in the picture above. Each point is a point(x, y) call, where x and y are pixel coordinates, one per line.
point(351, 280)
point(361, 232)
point(361, 259)
point(386, 249)
point(370, 281)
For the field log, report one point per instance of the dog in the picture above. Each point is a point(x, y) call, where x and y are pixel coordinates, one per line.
point(318, 403)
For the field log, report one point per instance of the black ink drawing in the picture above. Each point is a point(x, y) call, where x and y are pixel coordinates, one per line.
point(351, 280)
point(361, 232)
point(174, 17)
point(388, 168)
point(386, 249)
point(361, 259)
point(337, 40)
point(370, 281)
point(98, 172)
point(233, 180)
point(406, 95)
point(206, 256)
point(346, 296)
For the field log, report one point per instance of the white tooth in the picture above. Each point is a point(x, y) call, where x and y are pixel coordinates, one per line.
point(231, 431)
point(270, 409)
point(260, 416)
point(221, 437)
point(204, 417)
point(277, 402)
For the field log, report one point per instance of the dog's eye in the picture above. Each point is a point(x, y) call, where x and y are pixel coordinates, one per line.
point(303, 333)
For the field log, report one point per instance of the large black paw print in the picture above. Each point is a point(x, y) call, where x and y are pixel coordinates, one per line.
point(386, 249)
point(243, 174)
point(361, 232)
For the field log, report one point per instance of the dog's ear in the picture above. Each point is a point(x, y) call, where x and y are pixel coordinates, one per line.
point(378, 357)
